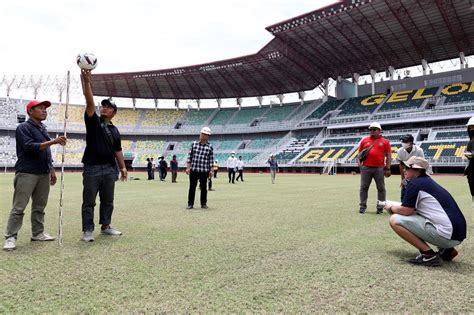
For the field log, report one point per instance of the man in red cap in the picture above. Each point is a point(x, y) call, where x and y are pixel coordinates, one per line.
point(102, 154)
point(34, 174)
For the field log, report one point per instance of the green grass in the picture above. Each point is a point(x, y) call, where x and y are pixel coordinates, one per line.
point(296, 246)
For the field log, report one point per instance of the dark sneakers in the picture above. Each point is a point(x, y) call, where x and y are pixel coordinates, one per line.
point(424, 260)
point(204, 207)
point(447, 254)
point(362, 211)
point(189, 207)
point(379, 211)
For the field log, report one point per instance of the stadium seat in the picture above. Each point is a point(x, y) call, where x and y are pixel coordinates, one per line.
point(410, 99)
point(361, 105)
point(458, 92)
point(437, 150)
point(198, 117)
point(247, 115)
point(161, 117)
point(279, 113)
point(324, 108)
point(222, 117)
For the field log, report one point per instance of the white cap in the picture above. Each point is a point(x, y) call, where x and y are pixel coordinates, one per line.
point(233, 152)
point(206, 130)
point(470, 122)
point(375, 125)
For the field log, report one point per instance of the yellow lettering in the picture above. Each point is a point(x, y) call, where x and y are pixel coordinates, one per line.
point(419, 95)
point(455, 89)
point(460, 151)
point(439, 149)
point(353, 155)
point(399, 96)
point(312, 155)
point(471, 90)
point(326, 157)
point(373, 100)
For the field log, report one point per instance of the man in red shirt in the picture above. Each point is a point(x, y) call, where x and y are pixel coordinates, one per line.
point(376, 165)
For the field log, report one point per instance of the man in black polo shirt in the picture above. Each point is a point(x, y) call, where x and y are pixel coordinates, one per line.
point(103, 152)
point(34, 174)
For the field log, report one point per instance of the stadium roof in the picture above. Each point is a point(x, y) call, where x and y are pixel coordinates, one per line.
point(350, 36)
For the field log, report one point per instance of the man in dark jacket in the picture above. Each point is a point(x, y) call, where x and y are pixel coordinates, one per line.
point(34, 174)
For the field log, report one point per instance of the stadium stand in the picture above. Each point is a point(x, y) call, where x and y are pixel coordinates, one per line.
point(150, 145)
point(248, 115)
point(127, 118)
point(444, 149)
point(223, 116)
point(260, 143)
point(337, 141)
point(361, 105)
point(443, 135)
point(458, 92)
point(162, 117)
point(198, 117)
point(404, 100)
point(324, 108)
point(229, 145)
point(280, 113)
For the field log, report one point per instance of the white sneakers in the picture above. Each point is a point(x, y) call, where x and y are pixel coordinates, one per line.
point(110, 231)
point(43, 237)
point(88, 236)
point(10, 244)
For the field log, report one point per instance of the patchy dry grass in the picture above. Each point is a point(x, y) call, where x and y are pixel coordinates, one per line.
point(296, 246)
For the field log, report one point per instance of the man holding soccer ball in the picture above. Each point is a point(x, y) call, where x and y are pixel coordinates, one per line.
point(103, 151)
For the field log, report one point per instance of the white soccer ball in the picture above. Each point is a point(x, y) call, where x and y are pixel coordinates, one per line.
point(86, 61)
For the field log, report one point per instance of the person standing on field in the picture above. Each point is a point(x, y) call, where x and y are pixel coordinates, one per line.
point(407, 150)
point(174, 169)
point(34, 174)
point(375, 161)
point(103, 149)
point(199, 167)
point(273, 167)
point(231, 167)
point(215, 167)
point(240, 169)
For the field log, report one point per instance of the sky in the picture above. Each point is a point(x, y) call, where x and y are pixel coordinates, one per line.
point(43, 37)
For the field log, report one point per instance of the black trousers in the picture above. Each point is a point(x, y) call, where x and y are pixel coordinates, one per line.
point(215, 173)
point(231, 175)
point(97, 179)
point(194, 177)
point(470, 180)
point(241, 175)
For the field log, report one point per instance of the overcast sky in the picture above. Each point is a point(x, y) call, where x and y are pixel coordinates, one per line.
point(44, 37)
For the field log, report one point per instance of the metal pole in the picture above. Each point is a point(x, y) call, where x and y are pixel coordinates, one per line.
point(61, 194)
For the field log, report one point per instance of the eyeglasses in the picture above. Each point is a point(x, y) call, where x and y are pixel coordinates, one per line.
point(373, 129)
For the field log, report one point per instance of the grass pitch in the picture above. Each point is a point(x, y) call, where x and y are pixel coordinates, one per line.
point(296, 246)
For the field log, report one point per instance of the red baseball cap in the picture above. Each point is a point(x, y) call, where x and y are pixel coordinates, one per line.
point(34, 103)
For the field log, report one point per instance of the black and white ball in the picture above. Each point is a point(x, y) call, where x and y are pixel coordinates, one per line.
point(86, 61)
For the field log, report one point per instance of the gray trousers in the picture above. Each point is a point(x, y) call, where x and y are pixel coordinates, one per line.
point(273, 175)
point(366, 175)
point(97, 179)
point(36, 187)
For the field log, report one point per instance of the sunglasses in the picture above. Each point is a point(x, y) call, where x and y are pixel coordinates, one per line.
point(373, 129)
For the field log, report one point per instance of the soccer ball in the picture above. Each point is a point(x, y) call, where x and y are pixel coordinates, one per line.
point(86, 61)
